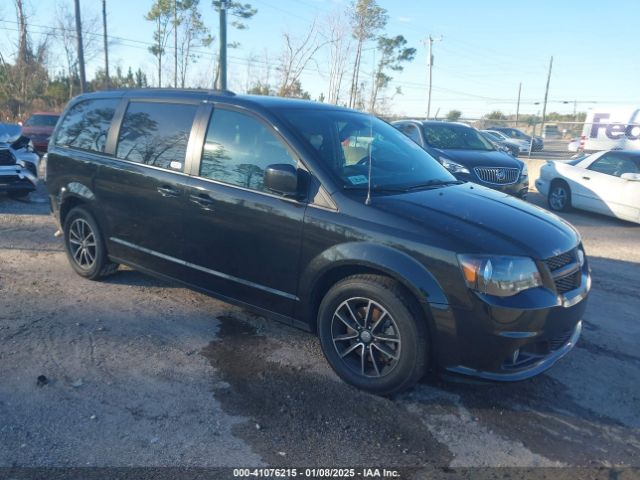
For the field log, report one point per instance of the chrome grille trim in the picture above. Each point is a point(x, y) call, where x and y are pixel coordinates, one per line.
point(491, 175)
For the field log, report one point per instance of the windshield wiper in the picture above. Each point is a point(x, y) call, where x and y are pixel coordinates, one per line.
point(376, 188)
point(433, 183)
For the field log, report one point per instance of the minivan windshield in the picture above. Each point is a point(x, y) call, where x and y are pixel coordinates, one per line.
point(449, 136)
point(346, 141)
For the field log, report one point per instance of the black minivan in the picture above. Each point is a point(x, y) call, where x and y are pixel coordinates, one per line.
point(322, 217)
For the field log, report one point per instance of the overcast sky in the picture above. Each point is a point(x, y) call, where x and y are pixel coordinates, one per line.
point(486, 49)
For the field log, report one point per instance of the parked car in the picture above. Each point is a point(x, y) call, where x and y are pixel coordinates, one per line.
point(538, 142)
point(468, 155)
point(39, 127)
point(322, 217)
point(605, 182)
point(514, 145)
point(551, 130)
point(18, 162)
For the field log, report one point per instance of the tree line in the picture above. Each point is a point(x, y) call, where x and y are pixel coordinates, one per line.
point(181, 37)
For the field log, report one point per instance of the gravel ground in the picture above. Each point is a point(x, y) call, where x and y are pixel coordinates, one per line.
point(141, 373)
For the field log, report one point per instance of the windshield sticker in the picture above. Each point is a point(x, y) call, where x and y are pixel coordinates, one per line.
point(357, 179)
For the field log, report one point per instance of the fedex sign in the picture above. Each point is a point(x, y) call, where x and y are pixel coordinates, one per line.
point(614, 130)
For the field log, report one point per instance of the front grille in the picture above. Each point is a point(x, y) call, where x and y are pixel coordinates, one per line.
point(565, 282)
point(559, 261)
point(497, 175)
point(568, 283)
point(6, 157)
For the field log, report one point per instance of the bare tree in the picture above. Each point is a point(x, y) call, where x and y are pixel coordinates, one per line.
point(161, 13)
point(23, 37)
point(295, 57)
point(25, 81)
point(367, 19)
point(337, 33)
point(67, 38)
point(189, 32)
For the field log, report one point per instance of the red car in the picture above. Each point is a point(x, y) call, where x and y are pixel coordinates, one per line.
point(39, 128)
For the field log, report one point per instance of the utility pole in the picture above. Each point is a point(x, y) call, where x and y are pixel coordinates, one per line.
point(430, 74)
point(106, 45)
point(223, 45)
point(175, 43)
point(83, 78)
point(518, 106)
point(546, 95)
point(431, 40)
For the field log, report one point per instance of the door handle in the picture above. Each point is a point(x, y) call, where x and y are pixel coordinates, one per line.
point(203, 200)
point(167, 191)
point(586, 178)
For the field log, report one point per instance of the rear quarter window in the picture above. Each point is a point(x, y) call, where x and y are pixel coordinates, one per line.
point(86, 125)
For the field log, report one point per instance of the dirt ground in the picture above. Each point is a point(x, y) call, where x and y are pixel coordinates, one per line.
point(141, 373)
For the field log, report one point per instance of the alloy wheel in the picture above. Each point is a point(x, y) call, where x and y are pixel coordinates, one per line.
point(366, 337)
point(558, 198)
point(82, 243)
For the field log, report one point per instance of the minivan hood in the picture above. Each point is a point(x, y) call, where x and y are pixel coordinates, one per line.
point(480, 158)
point(478, 219)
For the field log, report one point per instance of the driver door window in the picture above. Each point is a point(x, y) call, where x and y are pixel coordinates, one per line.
point(238, 148)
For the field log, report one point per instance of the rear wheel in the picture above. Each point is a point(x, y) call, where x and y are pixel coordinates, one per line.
point(559, 197)
point(84, 245)
point(373, 335)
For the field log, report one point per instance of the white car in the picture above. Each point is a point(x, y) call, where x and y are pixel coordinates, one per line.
point(604, 182)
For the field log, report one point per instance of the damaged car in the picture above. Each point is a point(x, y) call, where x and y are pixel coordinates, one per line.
point(18, 162)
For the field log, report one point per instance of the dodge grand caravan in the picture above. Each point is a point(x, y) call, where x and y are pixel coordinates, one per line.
point(322, 217)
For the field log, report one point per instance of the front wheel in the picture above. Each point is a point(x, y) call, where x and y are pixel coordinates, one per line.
point(84, 245)
point(373, 335)
point(559, 196)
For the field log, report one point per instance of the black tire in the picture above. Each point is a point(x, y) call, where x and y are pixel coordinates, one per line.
point(92, 263)
point(559, 197)
point(396, 349)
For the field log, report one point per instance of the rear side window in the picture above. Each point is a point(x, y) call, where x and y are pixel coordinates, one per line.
point(86, 125)
point(156, 134)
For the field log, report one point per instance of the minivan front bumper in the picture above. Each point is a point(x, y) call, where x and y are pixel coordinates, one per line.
point(501, 343)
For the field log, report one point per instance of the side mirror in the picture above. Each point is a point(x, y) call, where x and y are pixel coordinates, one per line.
point(282, 178)
point(634, 177)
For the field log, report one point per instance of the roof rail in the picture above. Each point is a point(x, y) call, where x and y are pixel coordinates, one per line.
point(222, 92)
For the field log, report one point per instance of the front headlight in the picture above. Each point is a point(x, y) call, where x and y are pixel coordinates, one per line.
point(453, 167)
point(525, 170)
point(502, 276)
point(30, 147)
